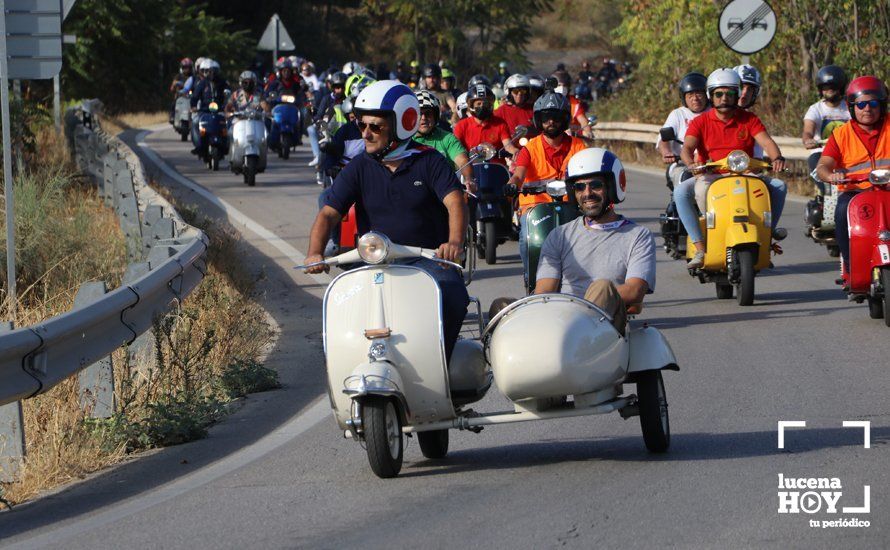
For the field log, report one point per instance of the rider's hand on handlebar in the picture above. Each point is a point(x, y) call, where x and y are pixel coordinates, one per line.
point(669, 159)
point(778, 164)
point(697, 169)
point(450, 251)
point(837, 177)
point(471, 186)
point(321, 268)
point(511, 190)
point(810, 143)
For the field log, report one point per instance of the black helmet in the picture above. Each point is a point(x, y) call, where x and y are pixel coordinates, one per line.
point(832, 75)
point(337, 79)
point(432, 70)
point(552, 101)
point(478, 79)
point(480, 91)
point(692, 82)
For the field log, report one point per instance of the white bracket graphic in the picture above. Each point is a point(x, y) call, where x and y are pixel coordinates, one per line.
point(866, 435)
point(788, 424)
point(866, 507)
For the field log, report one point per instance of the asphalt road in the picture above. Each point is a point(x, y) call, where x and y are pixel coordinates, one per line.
point(278, 474)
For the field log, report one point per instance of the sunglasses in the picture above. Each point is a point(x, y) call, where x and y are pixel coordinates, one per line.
point(873, 103)
point(375, 128)
point(727, 93)
point(594, 185)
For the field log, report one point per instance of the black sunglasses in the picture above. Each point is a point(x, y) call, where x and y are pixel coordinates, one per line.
point(873, 103)
point(375, 128)
point(727, 93)
point(594, 185)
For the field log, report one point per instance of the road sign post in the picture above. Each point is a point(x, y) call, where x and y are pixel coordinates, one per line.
point(747, 26)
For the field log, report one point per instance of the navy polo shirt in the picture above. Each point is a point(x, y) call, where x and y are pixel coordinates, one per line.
point(405, 205)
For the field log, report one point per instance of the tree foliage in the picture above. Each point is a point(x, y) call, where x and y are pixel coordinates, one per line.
point(672, 37)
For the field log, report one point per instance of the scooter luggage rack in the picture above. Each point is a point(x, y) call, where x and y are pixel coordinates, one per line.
point(480, 420)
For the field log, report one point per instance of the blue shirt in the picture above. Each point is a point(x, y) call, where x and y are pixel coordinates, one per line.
point(405, 205)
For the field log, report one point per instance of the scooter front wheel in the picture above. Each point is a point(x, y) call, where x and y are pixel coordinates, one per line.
point(654, 419)
point(383, 436)
point(285, 146)
point(745, 286)
point(250, 170)
point(491, 242)
point(885, 282)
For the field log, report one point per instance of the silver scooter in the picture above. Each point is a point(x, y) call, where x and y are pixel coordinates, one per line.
point(247, 153)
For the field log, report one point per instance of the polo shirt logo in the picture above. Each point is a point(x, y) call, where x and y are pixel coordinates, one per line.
point(418, 183)
point(743, 133)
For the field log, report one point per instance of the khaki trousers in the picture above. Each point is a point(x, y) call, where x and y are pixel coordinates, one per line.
point(602, 293)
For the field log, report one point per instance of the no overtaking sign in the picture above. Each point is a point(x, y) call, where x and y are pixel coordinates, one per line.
point(747, 26)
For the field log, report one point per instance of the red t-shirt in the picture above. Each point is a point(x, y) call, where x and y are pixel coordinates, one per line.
point(493, 130)
point(515, 116)
point(869, 139)
point(716, 138)
point(554, 156)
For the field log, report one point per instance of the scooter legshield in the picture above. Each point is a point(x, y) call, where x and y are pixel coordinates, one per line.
point(542, 219)
point(738, 204)
point(406, 300)
point(867, 214)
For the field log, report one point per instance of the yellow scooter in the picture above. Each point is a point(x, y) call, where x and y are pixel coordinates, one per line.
point(738, 226)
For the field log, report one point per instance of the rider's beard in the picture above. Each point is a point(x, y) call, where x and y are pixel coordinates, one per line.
point(595, 210)
point(553, 132)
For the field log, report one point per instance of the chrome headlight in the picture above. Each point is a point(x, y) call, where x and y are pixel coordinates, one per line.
point(884, 235)
point(738, 161)
point(879, 177)
point(373, 247)
point(288, 98)
point(556, 188)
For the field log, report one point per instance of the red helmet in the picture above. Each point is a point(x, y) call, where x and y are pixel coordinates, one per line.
point(863, 85)
point(185, 62)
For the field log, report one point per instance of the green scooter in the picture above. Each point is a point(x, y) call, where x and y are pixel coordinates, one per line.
point(544, 218)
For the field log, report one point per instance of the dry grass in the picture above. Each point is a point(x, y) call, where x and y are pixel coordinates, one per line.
point(117, 124)
point(205, 354)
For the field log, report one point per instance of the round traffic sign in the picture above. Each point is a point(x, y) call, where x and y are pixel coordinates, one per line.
point(747, 26)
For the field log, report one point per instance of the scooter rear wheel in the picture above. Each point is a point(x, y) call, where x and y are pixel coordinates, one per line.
point(875, 308)
point(724, 291)
point(383, 436)
point(654, 419)
point(433, 444)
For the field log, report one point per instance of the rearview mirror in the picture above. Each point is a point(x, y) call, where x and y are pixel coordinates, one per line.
point(484, 151)
point(667, 134)
point(879, 177)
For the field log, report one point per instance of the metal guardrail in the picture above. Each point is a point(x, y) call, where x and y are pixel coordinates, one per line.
point(792, 148)
point(36, 358)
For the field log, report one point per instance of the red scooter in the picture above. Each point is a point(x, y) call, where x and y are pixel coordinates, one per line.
point(869, 221)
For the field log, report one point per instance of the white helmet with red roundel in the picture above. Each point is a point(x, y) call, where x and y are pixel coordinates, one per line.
point(393, 100)
point(593, 161)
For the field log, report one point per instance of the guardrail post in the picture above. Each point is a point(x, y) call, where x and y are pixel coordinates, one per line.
point(155, 227)
point(140, 353)
point(12, 434)
point(96, 381)
point(128, 213)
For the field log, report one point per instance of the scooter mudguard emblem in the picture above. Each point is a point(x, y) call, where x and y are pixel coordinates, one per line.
point(885, 253)
point(378, 278)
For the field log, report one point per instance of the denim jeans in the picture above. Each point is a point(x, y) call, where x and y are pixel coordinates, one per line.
point(313, 140)
point(686, 192)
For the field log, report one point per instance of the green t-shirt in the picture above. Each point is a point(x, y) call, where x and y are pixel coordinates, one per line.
point(444, 142)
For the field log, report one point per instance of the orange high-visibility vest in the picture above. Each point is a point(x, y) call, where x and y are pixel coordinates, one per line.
point(856, 159)
point(540, 169)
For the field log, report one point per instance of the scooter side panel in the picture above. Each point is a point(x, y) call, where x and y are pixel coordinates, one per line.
point(411, 309)
point(868, 213)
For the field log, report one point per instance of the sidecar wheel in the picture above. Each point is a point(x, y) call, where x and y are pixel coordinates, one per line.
point(724, 291)
point(654, 419)
point(745, 286)
point(433, 444)
point(383, 436)
point(885, 282)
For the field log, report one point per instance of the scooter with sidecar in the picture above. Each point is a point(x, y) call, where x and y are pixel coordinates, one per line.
point(388, 377)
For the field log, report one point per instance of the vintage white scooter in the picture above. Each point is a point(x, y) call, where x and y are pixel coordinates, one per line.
point(247, 153)
point(387, 375)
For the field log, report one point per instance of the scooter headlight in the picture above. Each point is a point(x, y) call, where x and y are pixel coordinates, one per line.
point(738, 161)
point(884, 235)
point(373, 247)
point(879, 177)
point(288, 98)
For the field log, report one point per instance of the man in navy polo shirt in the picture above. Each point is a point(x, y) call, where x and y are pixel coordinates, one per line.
point(401, 189)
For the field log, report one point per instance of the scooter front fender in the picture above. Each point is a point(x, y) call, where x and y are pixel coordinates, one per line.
point(649, 350)
point(377, 378)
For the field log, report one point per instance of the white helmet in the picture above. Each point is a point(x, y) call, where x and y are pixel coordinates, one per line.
point(462, 105)
point(594, 160)
point(198, 63)
point(394, 100)
point(517, 81)
point(723, 78)
point(350, 67)
point(214, 65)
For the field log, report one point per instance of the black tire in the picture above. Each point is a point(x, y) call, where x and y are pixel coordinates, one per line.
point(834, 251)
point(433, 444)
point(875, 308)
point(654, 418)
point(183, 136)
point(214, 159)
point(285, 146)
point(885, 282)
point(250, 170)
point(724, 291)
point(491, 243)
point(745, 286)
point(383, 436)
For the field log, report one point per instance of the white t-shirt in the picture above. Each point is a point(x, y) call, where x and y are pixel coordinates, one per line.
point(679, 120)
point(827, 118)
